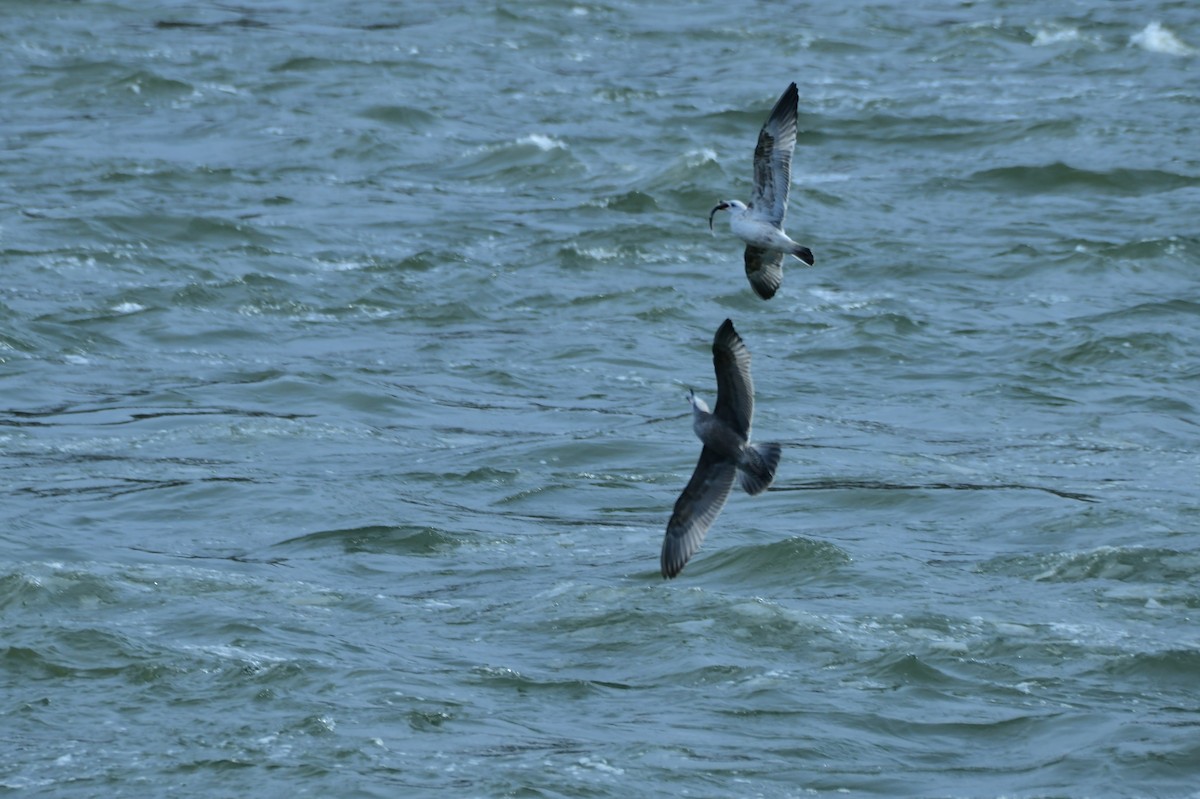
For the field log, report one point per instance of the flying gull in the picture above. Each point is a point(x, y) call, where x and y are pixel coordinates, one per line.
point(727, 452)
point(760, 224)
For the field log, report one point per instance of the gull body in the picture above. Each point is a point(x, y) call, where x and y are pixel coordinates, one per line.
point(727, 455)
point(751, 228)
point(760, 223)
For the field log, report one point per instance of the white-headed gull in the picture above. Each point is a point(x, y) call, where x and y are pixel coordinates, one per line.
point(727, 452)
point(760, 223)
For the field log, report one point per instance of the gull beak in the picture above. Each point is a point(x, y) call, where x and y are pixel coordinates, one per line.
point(721, 206)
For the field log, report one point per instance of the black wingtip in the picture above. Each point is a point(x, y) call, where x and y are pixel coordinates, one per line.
point(790, 97)
point(805, 254)
point(672, 563)
point(763, 290)
point(726, 336)
point(787, 104)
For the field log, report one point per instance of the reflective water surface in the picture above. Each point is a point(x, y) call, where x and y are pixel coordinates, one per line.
point(345, 357)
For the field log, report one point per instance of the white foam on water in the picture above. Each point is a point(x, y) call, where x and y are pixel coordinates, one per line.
point(542, 142)
point(703, 155)
point(1045, 37)
point(596, 253)
point(1158, 39)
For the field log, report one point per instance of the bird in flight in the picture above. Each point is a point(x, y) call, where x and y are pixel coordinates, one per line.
point(760, 223)
point(727, 454)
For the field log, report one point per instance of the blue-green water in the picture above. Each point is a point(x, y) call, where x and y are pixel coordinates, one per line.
point(344, 352)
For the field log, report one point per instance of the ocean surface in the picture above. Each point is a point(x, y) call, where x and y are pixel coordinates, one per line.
point(344, 358)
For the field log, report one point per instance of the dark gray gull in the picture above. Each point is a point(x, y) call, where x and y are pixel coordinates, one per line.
point(760, 224)
point(727, 452)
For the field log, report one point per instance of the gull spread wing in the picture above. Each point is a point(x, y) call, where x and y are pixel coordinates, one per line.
point(765, 270)
point(773, 159)
point(735, 390)
point(696, 509)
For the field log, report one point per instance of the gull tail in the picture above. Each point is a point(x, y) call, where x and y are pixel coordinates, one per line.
point(757, 468)
point(804, 254)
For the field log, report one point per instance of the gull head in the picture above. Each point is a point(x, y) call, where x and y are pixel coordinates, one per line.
point(725, 205)
point(699, 406)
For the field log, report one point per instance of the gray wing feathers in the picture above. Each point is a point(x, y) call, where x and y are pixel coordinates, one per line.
point(764, 268)
point(695, 510)
point(735, 389)
point(773, 158)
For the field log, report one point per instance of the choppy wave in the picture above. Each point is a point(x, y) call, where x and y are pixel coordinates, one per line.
point(1125, 564)
point(526, 159)
point(1062, 177)
point(391, 539)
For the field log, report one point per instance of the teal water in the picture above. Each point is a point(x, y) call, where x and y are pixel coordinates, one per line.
point(344, 358)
